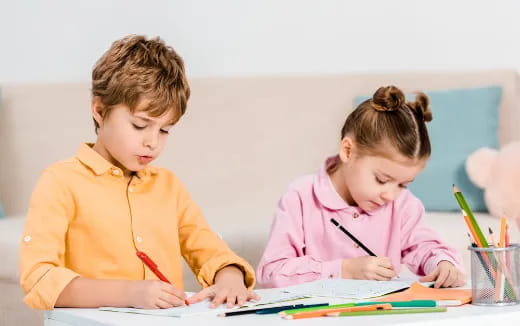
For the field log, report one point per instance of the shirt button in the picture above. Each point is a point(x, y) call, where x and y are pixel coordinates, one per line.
point(27, 238)
point(115, 172)
point(130, 189)
point(139, 239)
point(356, 245)
point(355, 215)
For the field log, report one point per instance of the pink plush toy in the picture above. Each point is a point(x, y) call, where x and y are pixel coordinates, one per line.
point(498, 173)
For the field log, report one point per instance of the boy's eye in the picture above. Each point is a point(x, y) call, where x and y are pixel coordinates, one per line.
point(165, 131)
point(138, 127)
point(403, 186)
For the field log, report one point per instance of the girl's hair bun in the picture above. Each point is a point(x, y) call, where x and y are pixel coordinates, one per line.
point(421, 107)
point(389, 98)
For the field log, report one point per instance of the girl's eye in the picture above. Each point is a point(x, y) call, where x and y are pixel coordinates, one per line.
point(403, 186)
point(165, 131)
point(138, 127)
point(380, 181)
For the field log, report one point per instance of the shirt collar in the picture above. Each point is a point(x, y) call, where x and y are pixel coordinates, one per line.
point(327, 194)
point(99, 165)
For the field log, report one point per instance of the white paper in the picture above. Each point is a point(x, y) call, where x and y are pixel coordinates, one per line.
point(349, 289)
point(268, 297)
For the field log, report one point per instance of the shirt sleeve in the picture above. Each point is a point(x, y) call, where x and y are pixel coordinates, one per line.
point(202, 249)
point(42, 253)
point(284, 261)
point(422, 248)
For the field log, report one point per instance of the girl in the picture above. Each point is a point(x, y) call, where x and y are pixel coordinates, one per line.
point(384, 146)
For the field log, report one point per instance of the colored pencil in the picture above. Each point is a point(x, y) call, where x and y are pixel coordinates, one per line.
point(388, 312)
point(467, 212)
point(295, 311)
point(267, 310)
point(324, 312)
point(359, 243)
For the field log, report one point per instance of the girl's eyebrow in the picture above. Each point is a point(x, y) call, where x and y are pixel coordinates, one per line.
point(385, 175)
point(392, 178)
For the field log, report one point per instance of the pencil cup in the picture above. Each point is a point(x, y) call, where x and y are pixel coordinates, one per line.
point(495, 275)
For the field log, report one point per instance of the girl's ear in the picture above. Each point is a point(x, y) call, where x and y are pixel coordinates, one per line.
point(97, 108)
point(345, 149)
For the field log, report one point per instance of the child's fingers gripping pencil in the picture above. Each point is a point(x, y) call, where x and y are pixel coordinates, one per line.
point(153, 267)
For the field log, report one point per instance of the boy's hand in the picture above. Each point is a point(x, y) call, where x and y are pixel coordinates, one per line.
point(368, 268)
point(228, 288)
point(445, 275)
point(152, 294)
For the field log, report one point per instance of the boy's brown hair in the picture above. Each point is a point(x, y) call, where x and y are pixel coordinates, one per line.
point(387, 120)
point(137, 68)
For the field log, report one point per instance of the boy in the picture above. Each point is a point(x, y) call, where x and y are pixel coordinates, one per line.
point(89, 214)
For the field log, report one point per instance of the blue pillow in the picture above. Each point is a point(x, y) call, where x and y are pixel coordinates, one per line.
point(463, 120)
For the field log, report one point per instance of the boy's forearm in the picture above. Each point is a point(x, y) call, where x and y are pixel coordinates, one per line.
point(83, 292)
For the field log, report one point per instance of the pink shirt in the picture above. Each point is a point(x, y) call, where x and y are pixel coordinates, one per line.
point(305, 246)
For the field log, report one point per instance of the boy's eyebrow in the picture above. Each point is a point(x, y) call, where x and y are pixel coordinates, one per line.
point(143, 118)
point(146, 119)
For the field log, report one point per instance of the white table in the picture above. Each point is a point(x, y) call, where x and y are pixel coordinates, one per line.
point(470, 315)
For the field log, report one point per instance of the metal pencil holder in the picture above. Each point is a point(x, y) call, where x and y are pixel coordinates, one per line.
point(495, 275)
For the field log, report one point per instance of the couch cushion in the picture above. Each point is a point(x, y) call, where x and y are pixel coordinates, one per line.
point(11, 229)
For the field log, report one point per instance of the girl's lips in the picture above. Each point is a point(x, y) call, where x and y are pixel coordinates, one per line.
point(144, 159)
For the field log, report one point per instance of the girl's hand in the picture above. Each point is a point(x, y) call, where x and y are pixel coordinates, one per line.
point(154, 294)
point(228, 288)
point(445, 275)
point(368, 268)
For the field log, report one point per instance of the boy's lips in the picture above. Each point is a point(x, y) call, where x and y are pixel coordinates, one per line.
point(144, 159)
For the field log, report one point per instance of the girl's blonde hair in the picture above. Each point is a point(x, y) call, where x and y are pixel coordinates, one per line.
point(387, 120)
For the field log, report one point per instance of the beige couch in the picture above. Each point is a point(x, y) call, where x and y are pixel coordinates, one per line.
point(240, 143)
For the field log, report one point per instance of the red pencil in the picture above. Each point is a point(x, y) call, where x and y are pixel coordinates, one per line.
point(153, 267)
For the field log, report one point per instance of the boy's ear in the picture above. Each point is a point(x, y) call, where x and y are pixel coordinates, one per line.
point(97, 109)
point(345, 148)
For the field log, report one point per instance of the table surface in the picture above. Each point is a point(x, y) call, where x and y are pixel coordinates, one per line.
point(476, 315)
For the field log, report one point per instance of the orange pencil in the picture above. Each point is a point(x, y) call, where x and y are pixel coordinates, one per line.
point(324, 312)
point(501, 266)
point(498, 284)
point(479, 245)
point(502, 242)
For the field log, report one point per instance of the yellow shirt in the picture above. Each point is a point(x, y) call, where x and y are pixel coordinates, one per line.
point(84, 219)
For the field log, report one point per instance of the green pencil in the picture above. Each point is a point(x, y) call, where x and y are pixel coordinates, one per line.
point(467, 211)
point(404, 304)
point(387, 312)
point(483, 241)
point(295, 311)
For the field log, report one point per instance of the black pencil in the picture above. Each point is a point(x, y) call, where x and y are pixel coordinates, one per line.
point(257, 310)
point(368, 251)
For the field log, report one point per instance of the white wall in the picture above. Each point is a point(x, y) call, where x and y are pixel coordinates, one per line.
point(60, 40)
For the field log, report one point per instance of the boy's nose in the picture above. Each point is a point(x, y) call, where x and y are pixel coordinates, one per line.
point(151, 141)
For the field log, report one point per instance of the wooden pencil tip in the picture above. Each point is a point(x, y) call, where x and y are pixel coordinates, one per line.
point(490, 231)
point(287, 317)
point(455, 189)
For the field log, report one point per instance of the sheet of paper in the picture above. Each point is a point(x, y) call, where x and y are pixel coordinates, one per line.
point(268, 297)
point(349, 289)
